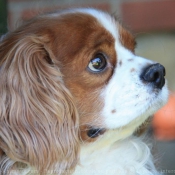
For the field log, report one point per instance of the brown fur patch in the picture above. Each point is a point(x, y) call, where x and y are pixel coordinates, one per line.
point(113, 111)
point(132, 70)
point(126, 38)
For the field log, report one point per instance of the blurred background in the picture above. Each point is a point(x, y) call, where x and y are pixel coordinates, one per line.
point(153, 24)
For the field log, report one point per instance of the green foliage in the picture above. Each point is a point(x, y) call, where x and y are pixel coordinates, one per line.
point(3, 16)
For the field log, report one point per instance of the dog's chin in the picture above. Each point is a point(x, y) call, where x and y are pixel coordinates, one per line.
point(122, 132)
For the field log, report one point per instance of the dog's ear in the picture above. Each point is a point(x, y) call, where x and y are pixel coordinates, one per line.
point(38, 118)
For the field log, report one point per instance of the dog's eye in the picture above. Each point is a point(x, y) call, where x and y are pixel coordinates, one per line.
point(98, 63)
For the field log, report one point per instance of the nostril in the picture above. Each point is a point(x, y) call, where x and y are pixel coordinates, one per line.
point(154, 74)
point(151, 76)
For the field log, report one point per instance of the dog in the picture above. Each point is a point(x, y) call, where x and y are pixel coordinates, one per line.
point(73, 93)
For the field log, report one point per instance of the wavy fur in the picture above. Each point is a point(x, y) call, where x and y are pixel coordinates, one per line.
point(39, 131)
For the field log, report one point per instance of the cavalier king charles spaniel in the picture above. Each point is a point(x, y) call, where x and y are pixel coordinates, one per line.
point(72, 95)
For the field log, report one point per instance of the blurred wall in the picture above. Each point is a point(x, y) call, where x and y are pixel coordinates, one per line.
point(3, 16)
point(24, 9)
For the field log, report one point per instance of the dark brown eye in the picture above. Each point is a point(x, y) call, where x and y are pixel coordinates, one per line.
point(98, 63)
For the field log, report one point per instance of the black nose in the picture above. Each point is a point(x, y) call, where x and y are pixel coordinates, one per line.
point(154, 74)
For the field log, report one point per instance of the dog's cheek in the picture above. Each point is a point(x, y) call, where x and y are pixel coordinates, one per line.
point(89, 104)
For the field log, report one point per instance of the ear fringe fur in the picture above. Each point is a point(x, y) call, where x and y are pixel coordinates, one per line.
point(38, 118)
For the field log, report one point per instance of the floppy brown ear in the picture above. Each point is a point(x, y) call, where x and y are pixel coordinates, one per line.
point(38, 118)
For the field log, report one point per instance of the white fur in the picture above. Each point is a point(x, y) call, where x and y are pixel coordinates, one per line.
point(104, 19)
point(127, 94)
point(130, 156)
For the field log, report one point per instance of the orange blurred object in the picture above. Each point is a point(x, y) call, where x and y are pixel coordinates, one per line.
point(164, 121)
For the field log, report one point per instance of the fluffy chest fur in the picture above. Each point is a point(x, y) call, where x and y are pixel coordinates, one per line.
point(130, 156)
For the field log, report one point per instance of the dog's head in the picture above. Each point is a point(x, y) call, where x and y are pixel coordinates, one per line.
point(69, 76)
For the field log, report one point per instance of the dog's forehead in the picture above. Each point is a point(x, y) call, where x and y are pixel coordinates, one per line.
point(79, 32)
point(112, 25)
point(106, 20)
point(85, 21)
point(98, 19)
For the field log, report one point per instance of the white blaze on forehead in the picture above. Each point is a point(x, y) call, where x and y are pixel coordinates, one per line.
point(104, 19)
point(111, 25)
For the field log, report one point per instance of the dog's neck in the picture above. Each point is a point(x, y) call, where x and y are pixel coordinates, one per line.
point(112, 156)
point(113, 135)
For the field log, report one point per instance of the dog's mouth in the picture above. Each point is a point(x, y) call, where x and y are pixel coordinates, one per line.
point(91, 133)
point(95, 132)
